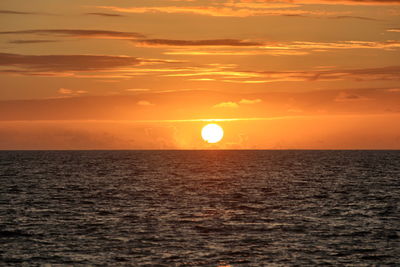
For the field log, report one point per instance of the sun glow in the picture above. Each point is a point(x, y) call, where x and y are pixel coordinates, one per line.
point(212, 133)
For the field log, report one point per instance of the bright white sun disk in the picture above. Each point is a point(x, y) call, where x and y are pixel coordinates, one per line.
point(212, 133)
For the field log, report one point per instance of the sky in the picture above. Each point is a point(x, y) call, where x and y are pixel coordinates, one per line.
point(149, 74)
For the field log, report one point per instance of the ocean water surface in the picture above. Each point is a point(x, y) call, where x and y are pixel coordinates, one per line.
point(199, 208)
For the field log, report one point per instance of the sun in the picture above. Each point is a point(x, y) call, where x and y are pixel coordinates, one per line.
point(212, 133)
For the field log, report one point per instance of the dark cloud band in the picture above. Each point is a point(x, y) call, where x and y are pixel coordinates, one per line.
point(60, 63)
point(80, 33)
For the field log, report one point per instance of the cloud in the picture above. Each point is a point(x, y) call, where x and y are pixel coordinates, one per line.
point(84, 66)
point(355, 17)
point(209, 47)
point(65, 63)
point(393, 30)
point(393, 90)
point(216, 42)
point(232, 75)
point(104, 14)
point(121, 67)
point(295, 3)
point(97, 34)
point(63, 136)
point(237, 52)
point(70, 92)
point(244, 48)
point(348, 2)
point(13, 12)
point(144, 103)
point(31, 41)
point(383, 73)
point(137, 90)
point(366, 74)
point(250, 101)
point(222, 11)
point(226, 105)
point(196, 105)
point(390, 44)
point(64, 91)
point(232, 104)
point(349, 97)
point(260, 4)
point(247, 8)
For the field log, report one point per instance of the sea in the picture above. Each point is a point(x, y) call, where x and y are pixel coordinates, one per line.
point(200, 208)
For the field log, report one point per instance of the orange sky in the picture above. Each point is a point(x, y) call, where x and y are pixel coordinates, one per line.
point(148, 74)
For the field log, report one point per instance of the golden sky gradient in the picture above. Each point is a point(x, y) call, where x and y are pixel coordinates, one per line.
point(149, 74)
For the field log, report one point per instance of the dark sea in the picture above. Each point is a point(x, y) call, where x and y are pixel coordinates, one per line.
point(199, 208)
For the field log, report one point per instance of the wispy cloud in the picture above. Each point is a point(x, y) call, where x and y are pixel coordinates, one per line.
point(79, 33)
point(74, 104)
point(31, 41)
point(390, 44)
point(393, 90)
point(249, 4)
point(236, 104)
point(209, 46)
point(84, 66)
point(366, 74)
point(215, 42)
point(393, 30)
point(137, 90)
point(14, 12)
point(248, 8)
point(145, 103)
point(241, 52)
point(250, 101)
point(62, 63)
point(231, 74)
point(222, 11)
point(347, 2)
point(105, 66)
point(245, 47)
point(354, 17)
point(226, 105)
point(101, 14)
point(295, 3)
point(70, 92)
point(349, 97)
